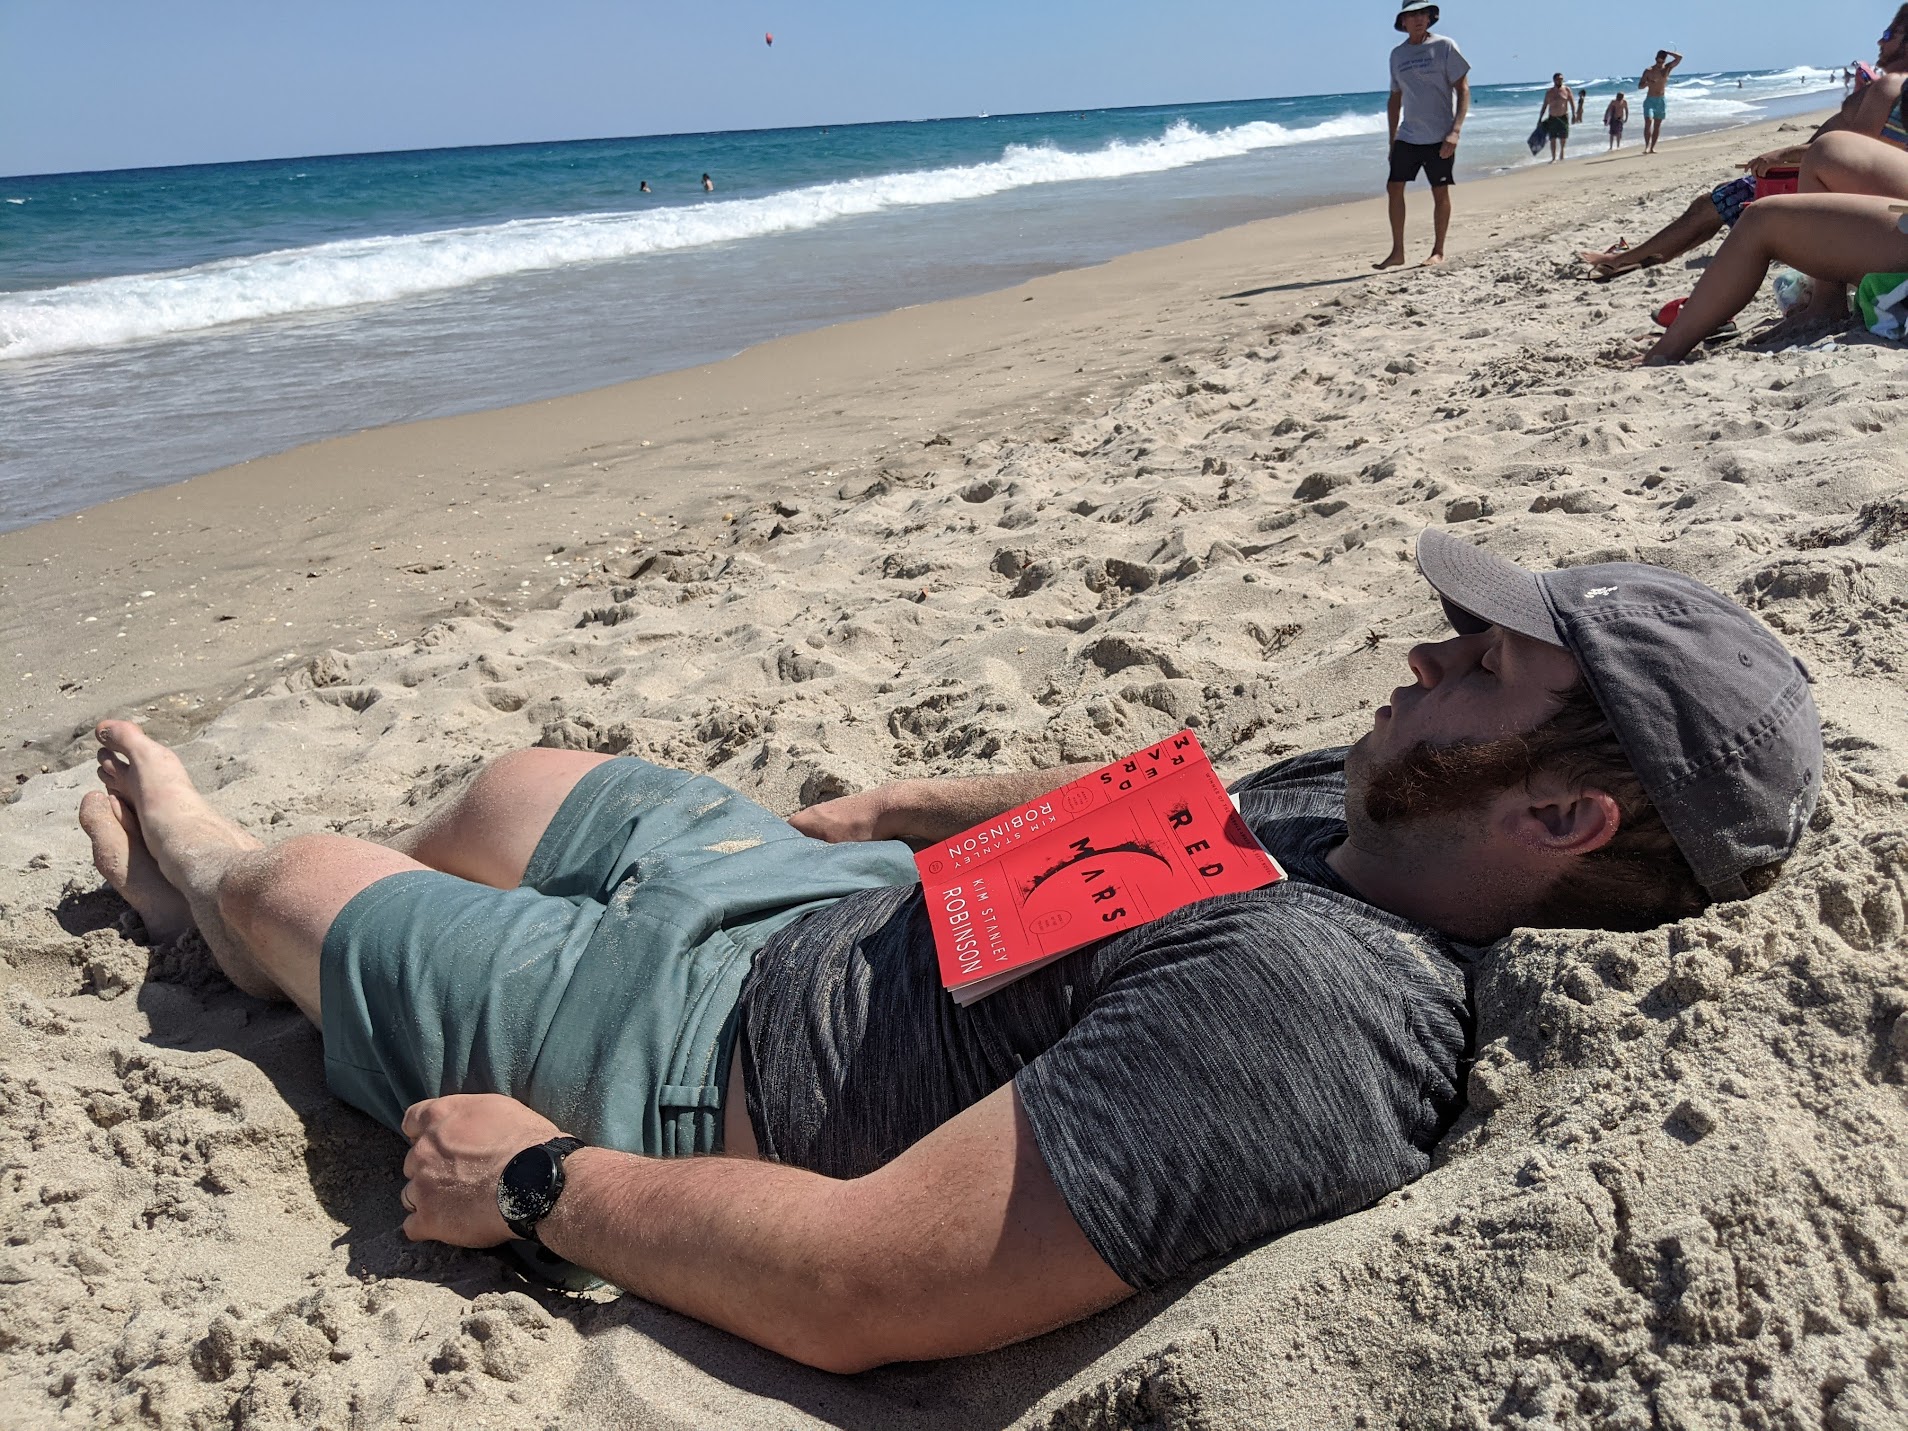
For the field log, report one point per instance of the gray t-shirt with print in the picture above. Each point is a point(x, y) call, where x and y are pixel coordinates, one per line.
point(1427, 75)
point(1239, 1067)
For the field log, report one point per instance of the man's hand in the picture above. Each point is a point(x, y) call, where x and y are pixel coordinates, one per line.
point(852, 818)
point(1775, 159)
point(1448, 149)
point(919, 811)
point(459, 1146)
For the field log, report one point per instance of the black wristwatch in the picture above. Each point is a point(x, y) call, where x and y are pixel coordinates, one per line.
point(530, 1184)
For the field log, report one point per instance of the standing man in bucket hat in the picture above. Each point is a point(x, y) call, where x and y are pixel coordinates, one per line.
point(1430, 97)
point(583, 969)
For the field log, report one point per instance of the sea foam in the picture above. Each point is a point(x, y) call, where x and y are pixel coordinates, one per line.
point(314, 280)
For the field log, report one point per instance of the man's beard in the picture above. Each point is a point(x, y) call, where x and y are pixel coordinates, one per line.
point(1430, 780)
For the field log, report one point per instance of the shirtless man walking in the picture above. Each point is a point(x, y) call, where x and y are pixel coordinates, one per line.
point(1655, 82)
point(1558, 104)
point(1614, 118)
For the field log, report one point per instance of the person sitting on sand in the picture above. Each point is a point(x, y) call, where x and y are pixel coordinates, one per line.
point(1655, 85)
point(1553, 115)
point(1615, 116)
point(1836, 239)
point(1430, 97)
point(1868, 114)
point(1869, 155)
point(585, 968)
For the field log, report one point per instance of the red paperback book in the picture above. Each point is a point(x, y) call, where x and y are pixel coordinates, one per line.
point(1127, 844)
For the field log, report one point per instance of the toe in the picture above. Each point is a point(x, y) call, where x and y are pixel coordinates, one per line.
point(95, 809)
point(110, 769)
point(123, 737)
point(112, 847)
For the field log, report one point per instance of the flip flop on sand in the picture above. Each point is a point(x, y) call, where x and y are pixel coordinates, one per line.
point(1604, 272)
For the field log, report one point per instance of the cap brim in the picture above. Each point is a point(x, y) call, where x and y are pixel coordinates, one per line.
point(1494, 591)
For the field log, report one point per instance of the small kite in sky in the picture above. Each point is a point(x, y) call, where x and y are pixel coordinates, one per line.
point(769, 38)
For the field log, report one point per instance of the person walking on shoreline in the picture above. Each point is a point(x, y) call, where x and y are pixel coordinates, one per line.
point(1430, 97)
point(1614, 118)
point(1553, 113)
point(1655, 82)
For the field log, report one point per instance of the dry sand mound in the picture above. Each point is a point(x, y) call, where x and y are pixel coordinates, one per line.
point(1680, 1197)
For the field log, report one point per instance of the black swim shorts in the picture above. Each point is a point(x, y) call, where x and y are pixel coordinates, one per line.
point(1408, 159)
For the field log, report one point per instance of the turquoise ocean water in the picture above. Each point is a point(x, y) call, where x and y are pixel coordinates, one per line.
point(157, 323)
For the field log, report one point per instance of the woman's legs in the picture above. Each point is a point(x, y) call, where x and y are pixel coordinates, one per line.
point(1844, 163)
point(1834, 238)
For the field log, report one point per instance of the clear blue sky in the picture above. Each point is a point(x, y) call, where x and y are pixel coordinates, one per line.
point(98, 84)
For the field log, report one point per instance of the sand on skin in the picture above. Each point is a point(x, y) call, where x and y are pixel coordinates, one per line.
point(1679, 1196)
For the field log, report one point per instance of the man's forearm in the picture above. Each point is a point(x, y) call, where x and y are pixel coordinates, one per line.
point(924, 810)
point(961, 1244)
point(739, 1244)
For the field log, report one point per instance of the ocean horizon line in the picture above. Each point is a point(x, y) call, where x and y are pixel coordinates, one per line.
point(156, 328)
point(664, 134)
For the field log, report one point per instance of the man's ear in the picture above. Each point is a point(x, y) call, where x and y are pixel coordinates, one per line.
point(1563, 819)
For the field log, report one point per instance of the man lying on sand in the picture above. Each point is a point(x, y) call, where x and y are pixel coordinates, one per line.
point(1836, 239)
point(1842, 156)
point(590, 948)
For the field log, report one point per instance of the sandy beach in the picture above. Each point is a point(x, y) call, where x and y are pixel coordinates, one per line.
point(1047, 524)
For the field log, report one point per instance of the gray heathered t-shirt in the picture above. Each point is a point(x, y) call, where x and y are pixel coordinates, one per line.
point(1239, 1067)
point(1427, 75)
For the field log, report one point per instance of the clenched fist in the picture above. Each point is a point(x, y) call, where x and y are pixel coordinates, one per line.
point(459, 1146)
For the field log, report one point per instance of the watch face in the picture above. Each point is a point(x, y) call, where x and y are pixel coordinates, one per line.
point(527, 1190)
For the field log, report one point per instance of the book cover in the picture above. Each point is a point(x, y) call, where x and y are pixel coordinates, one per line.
point(1126, 844)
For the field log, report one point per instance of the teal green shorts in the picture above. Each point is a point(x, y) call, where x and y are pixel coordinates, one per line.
point(602, 991)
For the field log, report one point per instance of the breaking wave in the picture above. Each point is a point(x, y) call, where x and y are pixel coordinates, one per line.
point(349, 273)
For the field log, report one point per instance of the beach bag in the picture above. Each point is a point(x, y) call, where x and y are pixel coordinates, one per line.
point(1884, 303)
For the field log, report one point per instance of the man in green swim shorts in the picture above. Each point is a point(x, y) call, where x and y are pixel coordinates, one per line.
point(1655, 82)
point(583, 968)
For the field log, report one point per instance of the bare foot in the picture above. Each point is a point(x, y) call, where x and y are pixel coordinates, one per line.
point(1437, 257)
point(120, 854)
point(1811, 321)
point(1394, 259)
point(189, 841)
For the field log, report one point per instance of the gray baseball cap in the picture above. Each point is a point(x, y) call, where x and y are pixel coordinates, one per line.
point(1713, 712)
